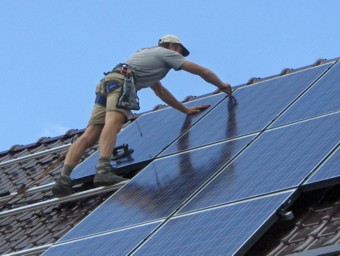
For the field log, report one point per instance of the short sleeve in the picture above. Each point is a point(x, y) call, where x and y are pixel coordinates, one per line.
point(174, 60)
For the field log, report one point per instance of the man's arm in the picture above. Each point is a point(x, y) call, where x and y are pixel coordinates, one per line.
point(207, 75)
point(169, 99)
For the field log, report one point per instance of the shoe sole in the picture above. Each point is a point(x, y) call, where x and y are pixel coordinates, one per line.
point(60, 192)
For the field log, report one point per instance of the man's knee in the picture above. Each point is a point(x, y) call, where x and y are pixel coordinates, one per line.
point(91, 135)
point(115, 120)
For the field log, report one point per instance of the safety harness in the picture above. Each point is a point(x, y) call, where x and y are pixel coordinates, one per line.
point(128, 98)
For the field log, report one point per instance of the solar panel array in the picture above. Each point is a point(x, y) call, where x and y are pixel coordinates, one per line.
point(215, 181)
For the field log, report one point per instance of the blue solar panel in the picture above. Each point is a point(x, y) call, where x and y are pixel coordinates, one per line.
point(215, 179)
point(251, 109)
point(279, 159)
point(150, 134)
point(322, 98)
point(226, 230)
point(86, 168)
point(330, 170)
point(115, 243)
point(159, 189)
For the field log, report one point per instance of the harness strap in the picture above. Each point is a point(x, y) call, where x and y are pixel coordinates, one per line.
point(123, 69)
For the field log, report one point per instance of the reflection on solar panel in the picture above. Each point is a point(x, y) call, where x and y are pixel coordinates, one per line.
point(159, 189)
point(115, 243)
point(251, 109)
point(279, 159)
point(86, 168)
point(328, 171)
point(322, 98)
point(220, 231)
point(150, 134)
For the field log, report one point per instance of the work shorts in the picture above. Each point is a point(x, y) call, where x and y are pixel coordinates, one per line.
point(99, 111)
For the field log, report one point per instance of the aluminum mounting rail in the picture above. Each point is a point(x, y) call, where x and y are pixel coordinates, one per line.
point(65, 199)
point(34, 155)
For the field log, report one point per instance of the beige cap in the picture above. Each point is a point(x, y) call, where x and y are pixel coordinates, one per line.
point(173, 39)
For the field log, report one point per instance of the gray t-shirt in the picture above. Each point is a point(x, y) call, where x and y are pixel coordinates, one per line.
point(152, 64)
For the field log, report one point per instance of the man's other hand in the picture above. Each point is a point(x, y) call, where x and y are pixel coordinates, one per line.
point(197, 109)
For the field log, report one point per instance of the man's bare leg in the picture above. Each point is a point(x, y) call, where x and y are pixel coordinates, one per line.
point(77, 149)
point(63, 186)
point(114, 121)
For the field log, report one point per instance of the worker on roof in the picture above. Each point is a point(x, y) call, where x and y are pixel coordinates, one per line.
point(145, 68)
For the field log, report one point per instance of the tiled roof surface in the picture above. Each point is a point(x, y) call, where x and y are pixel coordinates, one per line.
point(24, 228)
point(316, 224)
point(36, 219)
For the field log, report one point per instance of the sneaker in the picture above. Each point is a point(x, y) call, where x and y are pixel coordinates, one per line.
point(62, 187)
point(105, 176)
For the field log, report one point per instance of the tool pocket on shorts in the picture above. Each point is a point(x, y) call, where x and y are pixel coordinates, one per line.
point(100, 94)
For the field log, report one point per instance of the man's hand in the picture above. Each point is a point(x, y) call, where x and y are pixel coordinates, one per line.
point(227, 89)
point(197, 109)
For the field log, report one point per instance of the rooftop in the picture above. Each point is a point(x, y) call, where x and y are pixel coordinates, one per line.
point(269, 131)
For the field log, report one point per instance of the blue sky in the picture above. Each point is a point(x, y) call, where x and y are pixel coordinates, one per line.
point(53, 53)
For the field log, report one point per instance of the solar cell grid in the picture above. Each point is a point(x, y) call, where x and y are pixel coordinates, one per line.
point(116, 243)
point(220, 231)
point(328, 171)
point(278, 159)
point(250, 110)
point(159, 189)
point(321, 99)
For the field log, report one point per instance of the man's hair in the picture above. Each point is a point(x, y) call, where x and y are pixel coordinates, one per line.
point(165, 45)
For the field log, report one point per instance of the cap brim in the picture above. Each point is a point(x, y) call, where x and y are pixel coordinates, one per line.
point(185, 51)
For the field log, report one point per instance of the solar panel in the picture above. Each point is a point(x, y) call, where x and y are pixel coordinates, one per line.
point(329, 171)
point(150, 134)
point(222, 230)
point(158, 189)
point(115, 243)
point(278, 159)
point(322, 98)
point(251, 109)
point(227, 230)
point(215, 180)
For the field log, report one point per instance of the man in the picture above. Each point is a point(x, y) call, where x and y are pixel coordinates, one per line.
point(148, 66)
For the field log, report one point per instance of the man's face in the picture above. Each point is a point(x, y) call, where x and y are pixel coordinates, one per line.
point(177, 48)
